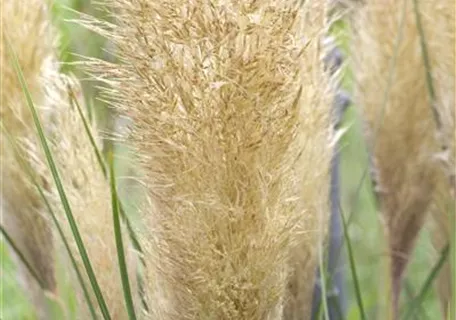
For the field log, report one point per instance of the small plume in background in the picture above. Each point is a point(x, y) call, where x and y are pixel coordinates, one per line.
point(392, 91)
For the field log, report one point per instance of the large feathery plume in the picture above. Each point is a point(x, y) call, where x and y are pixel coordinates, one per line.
point(26, 25)
point(232, 125)
point(391, 89)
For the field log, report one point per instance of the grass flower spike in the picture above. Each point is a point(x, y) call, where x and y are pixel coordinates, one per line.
point(231, 113)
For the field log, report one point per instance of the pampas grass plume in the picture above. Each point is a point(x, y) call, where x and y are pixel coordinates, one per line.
point(231, 117)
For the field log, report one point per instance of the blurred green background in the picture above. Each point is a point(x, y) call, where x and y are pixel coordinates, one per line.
point(358, 203)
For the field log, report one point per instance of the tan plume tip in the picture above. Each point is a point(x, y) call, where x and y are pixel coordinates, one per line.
point(401, 128)
point(232, 124)
point(26, 25)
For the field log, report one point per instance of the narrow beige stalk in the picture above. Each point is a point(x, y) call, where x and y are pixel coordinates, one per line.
point(27, 27)
point(232, 125)
point(401, 128)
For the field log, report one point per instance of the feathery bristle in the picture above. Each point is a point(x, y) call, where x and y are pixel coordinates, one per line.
point(231, 119)
point(401, 128)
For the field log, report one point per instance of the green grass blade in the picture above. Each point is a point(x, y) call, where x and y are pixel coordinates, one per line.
point(377, 131)
point(119, 244)
point(413, 306)
point(23, 259)
point(126, 220)
point(433, 101)
point(28, 171)
point(422, 313)
point(427, 64)
point(351, 258)
point(324, 297)
point(59, 186)
point(101, 162)
point(381, 113)
point(72, 259)
point(10, 240)
point(74, 102)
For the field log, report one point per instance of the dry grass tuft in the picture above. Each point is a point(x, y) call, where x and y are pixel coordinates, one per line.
point(231, 116)
point(26, 218)
point(89, 197)
point(406, 145)
point(26, 25)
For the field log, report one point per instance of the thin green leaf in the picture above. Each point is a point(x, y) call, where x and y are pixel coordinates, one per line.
point(381, 114)
point(422, 314)
point(126, 220)
point(120, 248)
point(10, 240)
point(32, 178)
point(427, 64)
point(351, 258)
point(23, 259)
point(324, 296)
point(389, 85)
point(438, 122)
point(74, 102)
point(365, 174)
point(101, 162)
point(59, 185)
point(413, 306)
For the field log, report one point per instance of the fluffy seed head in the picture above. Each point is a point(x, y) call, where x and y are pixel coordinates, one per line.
point(231, 123)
